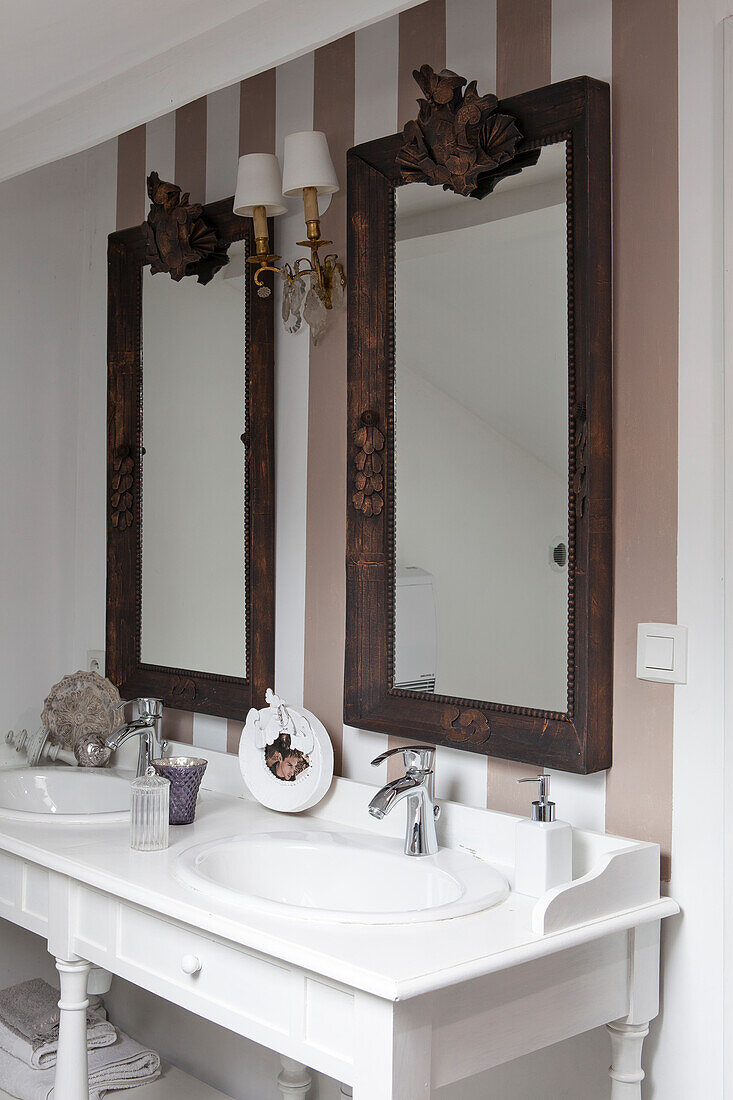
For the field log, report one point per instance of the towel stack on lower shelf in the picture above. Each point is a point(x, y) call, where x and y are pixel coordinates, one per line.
point(29, 1030)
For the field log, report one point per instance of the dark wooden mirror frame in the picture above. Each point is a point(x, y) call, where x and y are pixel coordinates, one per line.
point(577, 112)
point(186, 689)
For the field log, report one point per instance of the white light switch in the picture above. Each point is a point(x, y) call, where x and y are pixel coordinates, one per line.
point(661, 653)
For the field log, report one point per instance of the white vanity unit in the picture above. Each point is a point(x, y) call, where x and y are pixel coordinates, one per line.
point(390, 1010)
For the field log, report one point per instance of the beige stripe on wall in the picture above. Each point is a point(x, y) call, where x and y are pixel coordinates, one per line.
point(131, 178)
point(645, 332)
point(178, 725)
point(422, 42)
point(325, 577)
point(257, 114)
point(191, 149)
point(523, 45)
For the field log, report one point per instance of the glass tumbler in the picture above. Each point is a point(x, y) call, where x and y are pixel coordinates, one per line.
point(185, 774)
point(149, 799)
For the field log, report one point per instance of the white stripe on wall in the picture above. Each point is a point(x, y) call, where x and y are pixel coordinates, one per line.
point(579, 799)
point(375, 64)
point(294, 111)
point(581, 39)
point(460, 776)
point(360, 747)
point(209, 732)
point(470, 41)
point(222, 143)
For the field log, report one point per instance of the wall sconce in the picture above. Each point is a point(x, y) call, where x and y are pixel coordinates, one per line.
point(307, 171)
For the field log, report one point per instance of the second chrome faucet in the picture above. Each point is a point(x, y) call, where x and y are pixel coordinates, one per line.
point(146, 726)
point(417, 786)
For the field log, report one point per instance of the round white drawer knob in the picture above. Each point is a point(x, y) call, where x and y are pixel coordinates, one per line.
point(190, 964)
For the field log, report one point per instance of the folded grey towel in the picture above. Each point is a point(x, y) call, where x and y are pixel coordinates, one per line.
point(29, 1024)
point(124, 1065)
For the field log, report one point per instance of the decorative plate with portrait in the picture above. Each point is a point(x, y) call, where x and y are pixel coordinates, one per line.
point(285, 756)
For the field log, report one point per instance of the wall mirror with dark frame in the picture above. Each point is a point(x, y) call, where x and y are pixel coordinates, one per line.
point(479, 584)
point(190, 533)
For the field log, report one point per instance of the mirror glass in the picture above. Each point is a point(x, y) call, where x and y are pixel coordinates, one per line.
point(194, 486)
point(481, 440)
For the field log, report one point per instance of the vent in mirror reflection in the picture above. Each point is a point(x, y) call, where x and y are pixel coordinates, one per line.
point(559, 556)
point(416, 637)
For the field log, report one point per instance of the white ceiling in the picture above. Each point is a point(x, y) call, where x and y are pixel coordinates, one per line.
point(51, 51)
point(74, 73)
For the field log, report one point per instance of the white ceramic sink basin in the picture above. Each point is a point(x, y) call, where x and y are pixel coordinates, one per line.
point(345, 877)
point(69, 795)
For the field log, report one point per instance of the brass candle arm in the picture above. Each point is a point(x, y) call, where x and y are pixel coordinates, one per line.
point(325, 272)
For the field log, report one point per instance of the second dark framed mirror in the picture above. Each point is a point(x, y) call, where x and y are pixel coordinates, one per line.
point(479, 541)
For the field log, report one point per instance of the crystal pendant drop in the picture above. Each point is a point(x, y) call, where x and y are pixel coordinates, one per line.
point(337, 289)
point(293, 323)
point(287, 298)
point(297, 293)
point(314, 312)
point(293, 294)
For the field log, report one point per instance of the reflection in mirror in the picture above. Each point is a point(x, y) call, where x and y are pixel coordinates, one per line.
point(481, 440)
point(194, 487)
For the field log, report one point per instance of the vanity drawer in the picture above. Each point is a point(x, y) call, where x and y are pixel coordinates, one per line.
point(204, 967)
point(271, 1002)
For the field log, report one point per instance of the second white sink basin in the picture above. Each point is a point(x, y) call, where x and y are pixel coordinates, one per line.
point(69, 795)
point(345, 877)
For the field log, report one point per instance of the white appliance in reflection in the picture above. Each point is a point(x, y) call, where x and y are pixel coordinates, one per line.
point(416, 633)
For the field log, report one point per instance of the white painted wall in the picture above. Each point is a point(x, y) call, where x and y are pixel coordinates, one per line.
point(688, 1042)
point(52, 443)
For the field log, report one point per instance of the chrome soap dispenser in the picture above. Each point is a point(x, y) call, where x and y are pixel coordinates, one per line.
point(544, 846)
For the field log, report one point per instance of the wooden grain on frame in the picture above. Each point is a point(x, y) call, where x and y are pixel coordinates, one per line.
point(578, 740)
point(186, 689)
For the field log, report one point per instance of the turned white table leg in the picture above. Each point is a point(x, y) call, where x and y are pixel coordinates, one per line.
point(626, 1073)
point(71, 1081)
point(294, 1080)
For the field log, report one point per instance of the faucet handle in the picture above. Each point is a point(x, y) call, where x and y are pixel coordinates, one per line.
point(417, 758)
point(150, 707)
point(146, 708)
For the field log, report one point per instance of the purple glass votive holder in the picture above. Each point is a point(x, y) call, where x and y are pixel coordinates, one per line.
point(185, 774)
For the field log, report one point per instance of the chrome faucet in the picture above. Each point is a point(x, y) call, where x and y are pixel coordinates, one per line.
point(416, 785)
point(146, 726)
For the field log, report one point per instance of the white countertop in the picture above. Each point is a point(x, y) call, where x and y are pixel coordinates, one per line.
point(393, 961)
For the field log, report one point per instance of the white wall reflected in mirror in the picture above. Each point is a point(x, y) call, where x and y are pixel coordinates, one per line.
point(194, 484)
point(481, 440)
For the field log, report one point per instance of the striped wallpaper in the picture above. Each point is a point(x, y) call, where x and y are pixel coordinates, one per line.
point(359, 88)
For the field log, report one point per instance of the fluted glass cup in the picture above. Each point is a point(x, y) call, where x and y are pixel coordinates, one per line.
point(149, 812)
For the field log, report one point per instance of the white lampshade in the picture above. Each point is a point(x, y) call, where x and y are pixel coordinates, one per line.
point(259, 184)
point(307, 163)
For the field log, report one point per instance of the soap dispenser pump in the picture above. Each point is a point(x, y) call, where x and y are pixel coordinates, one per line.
point(544, 846)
